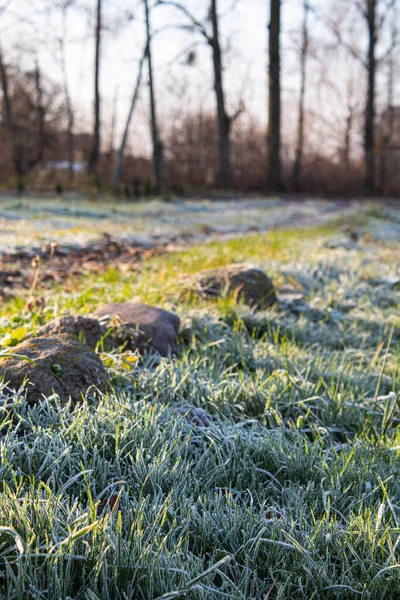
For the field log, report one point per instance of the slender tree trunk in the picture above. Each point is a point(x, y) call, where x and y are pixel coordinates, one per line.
point(68, 100)
point(370, 106)
point(113, 123)
point(158, 151)
point(274, 109)
point(95, 154)
point(70, 118)
point(300, 125)
point(8, 114)
point(70, 122)
point(347, 139)
point(41, 115)
point(350, 113)
point(223, 119)
point(118, 169)
point(387, 126)
point(70, 145)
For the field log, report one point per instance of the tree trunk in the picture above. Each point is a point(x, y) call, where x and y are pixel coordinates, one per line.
point(387, 126)
point(70, 122)
point(370, 105)
point(70, 145)
point(68, 100)
point(274, 102)
point(8, 114)
point(223, 119)
point(348, 132)
point(41, 116)
point(347, 139)
point(158, 151)
point(95, 154)
point(300, 125)
point(113, 123)
point(118, 168)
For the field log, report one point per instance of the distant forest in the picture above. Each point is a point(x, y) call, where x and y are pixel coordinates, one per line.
point(340, 134)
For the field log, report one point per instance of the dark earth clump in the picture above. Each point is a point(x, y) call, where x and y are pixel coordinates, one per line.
point(86, 329)
point(57, 363)
point(141, 325)
point(251, 285)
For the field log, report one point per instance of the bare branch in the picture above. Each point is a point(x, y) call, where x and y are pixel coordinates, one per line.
point(185, 52)
point(362, 9)
point(239, 111)
point(386, 55)
point(156, 32)
point(339, 38)
point(230, 8)
point(5, 6)
point(394, 33)
point(196, 23)
point(118, 169)
point(390, 5)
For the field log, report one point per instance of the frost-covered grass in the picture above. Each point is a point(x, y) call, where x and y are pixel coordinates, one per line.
point(30, 222)
point(293, 491)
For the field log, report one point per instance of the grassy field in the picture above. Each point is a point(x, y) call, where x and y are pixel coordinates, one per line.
point(292, 491)
point(30, 222)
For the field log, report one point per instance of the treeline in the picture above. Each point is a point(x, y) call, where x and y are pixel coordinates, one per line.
point(44, 147)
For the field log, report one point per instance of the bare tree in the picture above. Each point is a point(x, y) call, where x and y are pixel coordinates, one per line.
point(58, 51)
point(95, 153)
point(158, 151)
point(120, 160)
point(351, 113)
point(9, 119)
point(113, 122)
point(370, 16)
point(225, 121)
point(274, 102)
point(41, 114)
point(8, 113)
point(369, 10)
point(374, 20)
point(65, 5)
point(300, 125)
point(335, 114)
point(388, 117)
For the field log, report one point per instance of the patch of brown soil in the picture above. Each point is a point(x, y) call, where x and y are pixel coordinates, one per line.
point(57, 264)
